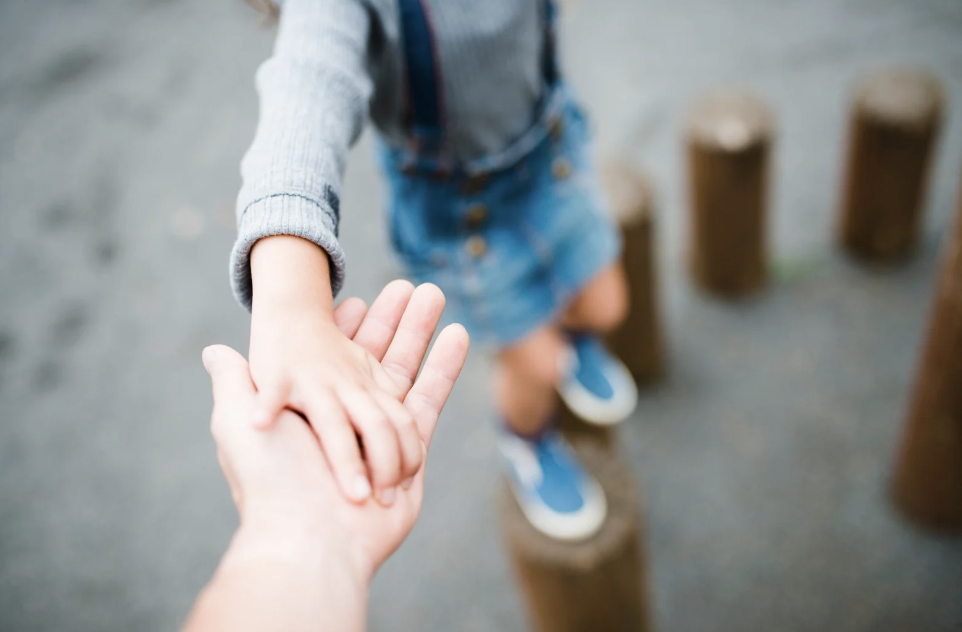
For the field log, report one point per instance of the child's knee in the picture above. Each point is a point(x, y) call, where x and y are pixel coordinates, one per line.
point(603, 306)
point(533, 363)
point(611, 310)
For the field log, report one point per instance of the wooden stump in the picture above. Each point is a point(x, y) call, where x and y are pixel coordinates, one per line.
point(638, 341)
point(729, 136)
point(596, 584)
point(895, 120)
point(579, 431)
point(927, 485)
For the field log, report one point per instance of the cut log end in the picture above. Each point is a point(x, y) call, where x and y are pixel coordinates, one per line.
point(729, 137)
point(729, 121)
point(595, 584)
point(901, 97)
point(620, 526)
point(894, 125)
point(629, 192)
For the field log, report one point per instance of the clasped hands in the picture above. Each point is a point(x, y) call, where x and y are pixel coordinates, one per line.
point(294, 519)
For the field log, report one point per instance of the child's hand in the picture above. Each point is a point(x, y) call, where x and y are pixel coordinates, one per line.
point(300, 359)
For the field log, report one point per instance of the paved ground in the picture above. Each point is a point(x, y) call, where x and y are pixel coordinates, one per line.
point(763, 455)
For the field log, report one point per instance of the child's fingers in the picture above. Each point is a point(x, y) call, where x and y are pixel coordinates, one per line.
point(414, 333)
point(381, 450)
point(337, 438)
point(384, 381)
point(271, 400)
point(349, 315)
point(434, 384)
point(380, 323)
point(409, 440)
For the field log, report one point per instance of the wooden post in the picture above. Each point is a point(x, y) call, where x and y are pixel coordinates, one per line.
point(596, 584)
point(895, 120)
point(927, 485)
point(577, 430)
point(638, 341)
point(729, 135)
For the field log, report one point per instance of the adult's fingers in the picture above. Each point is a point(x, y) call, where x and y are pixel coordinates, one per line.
point(431, 389)
point(229, 373)
point(349, 315)
point(414, 333)
point(339, 443)
point(381, 449)
point(377, 330)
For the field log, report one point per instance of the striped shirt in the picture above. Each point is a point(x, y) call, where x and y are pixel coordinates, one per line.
point(338, 63)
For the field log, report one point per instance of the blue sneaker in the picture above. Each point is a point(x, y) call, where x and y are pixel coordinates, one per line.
point(597, 387)
point(558, 497)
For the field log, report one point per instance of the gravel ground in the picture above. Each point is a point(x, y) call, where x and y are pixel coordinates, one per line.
point(763, 454)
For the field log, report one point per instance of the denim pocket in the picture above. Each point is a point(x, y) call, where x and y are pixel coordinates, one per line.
point(416, 235)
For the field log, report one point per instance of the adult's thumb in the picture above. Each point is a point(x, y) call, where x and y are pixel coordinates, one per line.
point(229, 372)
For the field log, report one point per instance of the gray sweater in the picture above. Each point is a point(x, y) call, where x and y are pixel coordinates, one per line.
point(337, 62)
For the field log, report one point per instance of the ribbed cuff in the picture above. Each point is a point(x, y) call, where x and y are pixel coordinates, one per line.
point(283, 214)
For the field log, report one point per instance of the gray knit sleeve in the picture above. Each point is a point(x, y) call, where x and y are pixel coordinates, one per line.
point(314, 93)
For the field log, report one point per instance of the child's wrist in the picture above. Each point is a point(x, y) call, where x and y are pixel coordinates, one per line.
point(290, 273)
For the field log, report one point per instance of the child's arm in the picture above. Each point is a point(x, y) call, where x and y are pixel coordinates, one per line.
point(313, 95)
point(287, 262)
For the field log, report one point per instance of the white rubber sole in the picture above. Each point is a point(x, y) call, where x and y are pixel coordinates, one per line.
point(579, 525)
point(601, 412)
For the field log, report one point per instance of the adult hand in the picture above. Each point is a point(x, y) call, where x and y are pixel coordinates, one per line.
point(282, 478)
point(291, 509)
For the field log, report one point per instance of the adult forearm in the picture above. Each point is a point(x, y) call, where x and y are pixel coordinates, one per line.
point(276, 583)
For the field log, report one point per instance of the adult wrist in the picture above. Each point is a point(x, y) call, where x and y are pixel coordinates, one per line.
point(276, 580)
point(301, 548)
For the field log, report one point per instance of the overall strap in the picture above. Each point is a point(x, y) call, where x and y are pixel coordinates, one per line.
point(424, 112)
point(549, 60)
point(424, 98)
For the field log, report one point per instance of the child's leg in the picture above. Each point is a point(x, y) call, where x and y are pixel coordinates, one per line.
point(554, 491)
point(526, 375)
point(598, 387)
point(601, 305)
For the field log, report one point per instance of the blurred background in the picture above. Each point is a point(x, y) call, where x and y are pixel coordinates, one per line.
point(763, 454)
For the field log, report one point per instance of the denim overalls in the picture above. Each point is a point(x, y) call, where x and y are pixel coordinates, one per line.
point(509, 238)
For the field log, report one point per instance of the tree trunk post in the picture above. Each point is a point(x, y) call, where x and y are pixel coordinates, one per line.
point(594, 584)
point(927, 485)
point(895, 121)
point(729, 137)
point(638, 340)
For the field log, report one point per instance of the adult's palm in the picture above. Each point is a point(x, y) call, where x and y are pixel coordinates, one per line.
point(280, 478)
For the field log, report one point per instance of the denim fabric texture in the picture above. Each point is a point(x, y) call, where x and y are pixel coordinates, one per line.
point(509, 250)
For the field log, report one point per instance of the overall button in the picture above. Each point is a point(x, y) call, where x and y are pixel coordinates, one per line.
point(476, 246)
point(476, 216)
point(560, 168)
point(556, 128)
